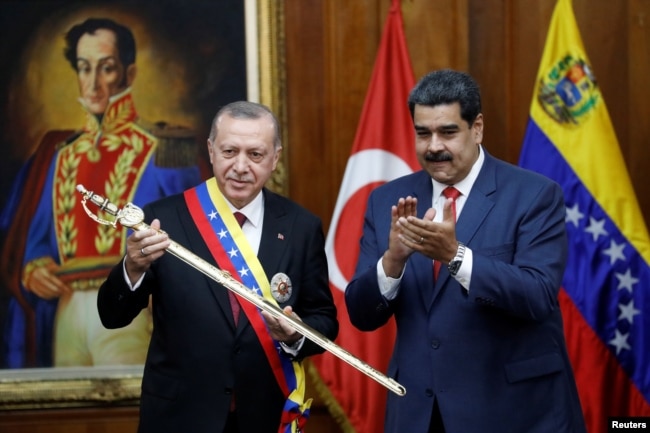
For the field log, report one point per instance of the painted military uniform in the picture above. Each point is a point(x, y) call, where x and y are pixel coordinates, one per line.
point(118, 157)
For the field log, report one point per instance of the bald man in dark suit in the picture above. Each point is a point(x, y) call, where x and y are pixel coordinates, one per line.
point(216, 364)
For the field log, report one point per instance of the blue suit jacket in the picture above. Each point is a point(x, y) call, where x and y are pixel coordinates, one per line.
point(196, 356)
point(495, 358)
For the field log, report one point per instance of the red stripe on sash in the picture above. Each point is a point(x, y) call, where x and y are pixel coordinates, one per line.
point(222, 259)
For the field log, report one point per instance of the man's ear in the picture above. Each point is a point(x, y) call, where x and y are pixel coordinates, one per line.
point(130, 74)
point(477, 126)
point(210, 151)
point(276, 157)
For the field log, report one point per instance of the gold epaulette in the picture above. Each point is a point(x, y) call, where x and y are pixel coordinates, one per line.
point(177, 146)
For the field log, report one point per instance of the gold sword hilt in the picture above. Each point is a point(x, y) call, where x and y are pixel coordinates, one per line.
point(129, 216)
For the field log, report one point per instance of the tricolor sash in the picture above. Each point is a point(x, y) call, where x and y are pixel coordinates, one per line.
point(232, 252)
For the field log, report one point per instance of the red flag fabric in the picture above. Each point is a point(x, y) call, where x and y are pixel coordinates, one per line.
point(383, 150)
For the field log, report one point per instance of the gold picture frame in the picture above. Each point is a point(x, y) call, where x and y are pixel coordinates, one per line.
point(271, 78)
point(71, 387)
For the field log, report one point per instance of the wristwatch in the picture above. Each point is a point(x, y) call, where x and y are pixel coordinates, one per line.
point(455, 263)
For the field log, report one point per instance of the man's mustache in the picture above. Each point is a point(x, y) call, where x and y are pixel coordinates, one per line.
point(239, 178)
point(438, 156)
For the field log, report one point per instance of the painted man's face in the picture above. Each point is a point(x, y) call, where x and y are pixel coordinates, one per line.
point(99, 69)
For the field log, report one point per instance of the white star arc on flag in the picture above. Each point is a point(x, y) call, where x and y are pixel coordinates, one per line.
point(626, 281)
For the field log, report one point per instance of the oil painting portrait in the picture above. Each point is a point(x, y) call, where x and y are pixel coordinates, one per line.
point(117, 96)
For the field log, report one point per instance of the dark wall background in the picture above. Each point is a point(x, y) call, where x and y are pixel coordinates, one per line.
point(331, 47)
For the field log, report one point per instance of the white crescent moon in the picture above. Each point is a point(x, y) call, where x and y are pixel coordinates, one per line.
point(364, 167)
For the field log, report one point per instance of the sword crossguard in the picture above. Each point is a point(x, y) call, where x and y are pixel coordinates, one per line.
point(129, 216)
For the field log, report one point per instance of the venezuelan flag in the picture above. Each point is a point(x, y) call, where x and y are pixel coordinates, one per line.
point(605, 298)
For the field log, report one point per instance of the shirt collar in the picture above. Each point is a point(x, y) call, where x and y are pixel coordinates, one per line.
point(254, 211)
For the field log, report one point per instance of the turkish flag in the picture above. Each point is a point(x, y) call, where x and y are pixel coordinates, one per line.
point(384, 149)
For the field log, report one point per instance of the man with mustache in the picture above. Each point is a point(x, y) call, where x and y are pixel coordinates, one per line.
point(468, 256)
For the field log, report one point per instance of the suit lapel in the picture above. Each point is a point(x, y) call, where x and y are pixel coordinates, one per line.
point(478, 204)
point(423, 191)
point(476, 209)
point(275, 234)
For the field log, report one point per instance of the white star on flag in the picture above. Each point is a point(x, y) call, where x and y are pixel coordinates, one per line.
point(626, 280)
point(620, 342)
point(573, 215)
point(596, 228)
point(628, 311)
point(615, 252)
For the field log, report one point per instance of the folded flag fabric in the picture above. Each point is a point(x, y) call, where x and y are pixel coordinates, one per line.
point(605, 298)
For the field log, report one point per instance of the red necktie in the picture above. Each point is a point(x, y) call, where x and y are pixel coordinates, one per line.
point(453, 193)
point(234, 303)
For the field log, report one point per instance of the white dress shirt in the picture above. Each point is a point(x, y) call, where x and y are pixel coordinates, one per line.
point(390, 286)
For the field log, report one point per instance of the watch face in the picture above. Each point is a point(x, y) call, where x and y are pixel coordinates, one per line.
point(455, 263)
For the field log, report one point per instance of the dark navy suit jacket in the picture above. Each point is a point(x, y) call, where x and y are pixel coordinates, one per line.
point(196, 357)
point(494, 358)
